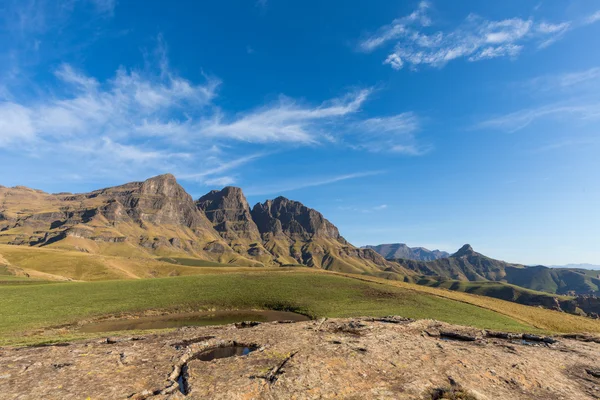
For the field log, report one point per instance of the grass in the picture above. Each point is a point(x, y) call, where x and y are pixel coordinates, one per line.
point(193, 262)
point(499, 290)
point(57, 264)
point(540, 318)
point(316, 294)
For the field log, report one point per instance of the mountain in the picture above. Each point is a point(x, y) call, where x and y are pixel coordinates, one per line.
point(468, 265)
point(578, 266)
point(157, 218)
point(534, 285)
point(400, 250)
point(296, 234)
point(229, 212)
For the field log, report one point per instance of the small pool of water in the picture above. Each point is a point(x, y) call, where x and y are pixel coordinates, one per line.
point(191, 319)
point(224, 352)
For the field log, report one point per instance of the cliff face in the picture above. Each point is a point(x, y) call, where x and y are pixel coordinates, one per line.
point(154, 217)
point(293, 219)
point(229, 212)
point(296, 234)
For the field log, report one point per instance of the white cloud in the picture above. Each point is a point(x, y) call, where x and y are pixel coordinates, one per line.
point(16, 125)
point(220, 181)
point(518, 120)
point(301, 184)
point(364, 210)
point(154, 121)
point(595, 17)
point(566, 143)
point(220, 168)
point(475, 39)
point(286, 121)
point(397, 29)
point(565, 80)
point(126, 104)
point(394, 134)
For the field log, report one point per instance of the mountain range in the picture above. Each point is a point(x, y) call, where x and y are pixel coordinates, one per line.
point(468, 265)
point(401, 250)
point(157, 217)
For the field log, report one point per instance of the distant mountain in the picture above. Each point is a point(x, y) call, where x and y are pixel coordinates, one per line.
point(468, 265)
point(401, 250)
point(578, 266)
point(157, 218)
point(499, 279)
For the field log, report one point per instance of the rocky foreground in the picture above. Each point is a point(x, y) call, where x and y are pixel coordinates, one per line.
point(365, 358)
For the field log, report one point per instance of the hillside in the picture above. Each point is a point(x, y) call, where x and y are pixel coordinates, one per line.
point(401, 250)
point(157, 218)
point(472, 272)
point(468, 265)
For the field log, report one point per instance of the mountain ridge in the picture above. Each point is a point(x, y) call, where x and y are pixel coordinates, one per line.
point(401, 250)
point(157, 217)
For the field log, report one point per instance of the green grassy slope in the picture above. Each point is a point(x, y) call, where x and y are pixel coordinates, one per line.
point(314, 294)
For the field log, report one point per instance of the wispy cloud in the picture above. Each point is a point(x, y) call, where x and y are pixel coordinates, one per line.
point(220, 181)
point(565, 80)
point(475, 39)
point(518, 120)
point(220, 168)
point(301, 184)
point(125, 104)
point(565, 144)
point(593, 18)
point(395, 134)
point(286, 121)
point(364, 210)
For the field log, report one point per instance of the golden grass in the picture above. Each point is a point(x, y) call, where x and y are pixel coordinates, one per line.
point(544, 319)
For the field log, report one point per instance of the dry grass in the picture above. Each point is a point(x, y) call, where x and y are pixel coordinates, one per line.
point(547, 320)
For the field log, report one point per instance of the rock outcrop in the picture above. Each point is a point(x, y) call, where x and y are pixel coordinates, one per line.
point(366, 358)
point(229, 212)
point(155, 216)
point(283, 217)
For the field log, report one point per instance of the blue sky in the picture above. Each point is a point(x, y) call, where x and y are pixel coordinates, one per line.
point(431, 123)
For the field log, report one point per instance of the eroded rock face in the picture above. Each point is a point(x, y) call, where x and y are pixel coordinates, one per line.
point(146, 213)
point(372, 358)
point(293, 219)
point(158, 200)
point(229, 212)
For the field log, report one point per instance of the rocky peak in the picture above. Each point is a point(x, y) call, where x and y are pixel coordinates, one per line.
point(292, 218)
point(466, 250)
point(229, 212)
point(158, 200)
point(163, 185)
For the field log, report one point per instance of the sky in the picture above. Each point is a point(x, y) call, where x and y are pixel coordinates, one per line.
point(430, 123)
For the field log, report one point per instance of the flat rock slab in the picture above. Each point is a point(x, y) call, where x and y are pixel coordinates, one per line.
point(361, 358)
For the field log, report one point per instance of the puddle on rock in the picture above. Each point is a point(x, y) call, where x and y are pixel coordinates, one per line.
point(191, 319)
point(224, 352)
